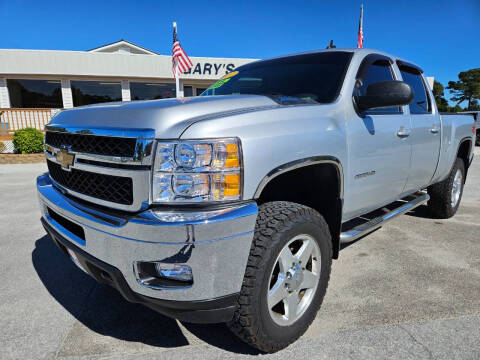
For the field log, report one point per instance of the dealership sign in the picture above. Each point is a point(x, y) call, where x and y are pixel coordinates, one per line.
point(214, 69)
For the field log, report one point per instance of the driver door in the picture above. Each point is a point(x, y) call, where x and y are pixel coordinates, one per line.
point(379, 149)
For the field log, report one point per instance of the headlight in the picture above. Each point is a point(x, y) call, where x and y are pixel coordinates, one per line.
point(197, 170)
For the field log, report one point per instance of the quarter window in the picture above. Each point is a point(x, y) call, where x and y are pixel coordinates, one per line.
point(377, 72)
point(421, 102)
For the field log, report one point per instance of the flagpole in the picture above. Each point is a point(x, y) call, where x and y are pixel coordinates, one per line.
point(181, 63)
point(177, 76)
point(360, 29)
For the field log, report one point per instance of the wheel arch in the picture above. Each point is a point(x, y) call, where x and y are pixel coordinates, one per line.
point(464, 151)
point(317, 182)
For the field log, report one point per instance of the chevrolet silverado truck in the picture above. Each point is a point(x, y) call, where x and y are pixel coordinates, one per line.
point(229, 207)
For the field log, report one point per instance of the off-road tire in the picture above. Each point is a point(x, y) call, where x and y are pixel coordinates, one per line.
point(440, 194)
point(477, 138)
point(277, 223)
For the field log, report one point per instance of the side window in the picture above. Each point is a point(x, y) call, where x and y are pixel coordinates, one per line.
point(421, 101)
point(377, 72)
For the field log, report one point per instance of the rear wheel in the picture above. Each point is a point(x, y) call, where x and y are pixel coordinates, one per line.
point(286, 277)
point(445, 196)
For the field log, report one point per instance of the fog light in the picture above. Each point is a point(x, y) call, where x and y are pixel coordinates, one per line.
point(174, 271)
point(158, 275)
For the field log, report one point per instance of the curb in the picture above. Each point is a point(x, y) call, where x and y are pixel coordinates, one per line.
point(21, 158)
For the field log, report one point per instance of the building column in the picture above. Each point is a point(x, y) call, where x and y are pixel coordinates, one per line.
point(181, 90)
point(67, 94)
point(4, 97)
point(126, 96)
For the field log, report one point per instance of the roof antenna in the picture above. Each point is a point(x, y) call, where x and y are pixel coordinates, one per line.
point(330, 45)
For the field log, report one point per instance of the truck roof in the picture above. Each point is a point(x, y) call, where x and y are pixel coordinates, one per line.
point(353, 50)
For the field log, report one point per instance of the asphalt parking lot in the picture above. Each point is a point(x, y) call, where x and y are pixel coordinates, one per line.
point(410, 290)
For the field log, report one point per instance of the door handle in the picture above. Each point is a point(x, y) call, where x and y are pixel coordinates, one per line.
point(403, 132)
point(435, 129)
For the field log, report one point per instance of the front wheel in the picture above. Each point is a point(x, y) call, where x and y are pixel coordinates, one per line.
point(286, 276)
point(446, 195)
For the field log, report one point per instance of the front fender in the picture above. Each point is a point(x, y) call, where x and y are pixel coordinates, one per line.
point(272, 138)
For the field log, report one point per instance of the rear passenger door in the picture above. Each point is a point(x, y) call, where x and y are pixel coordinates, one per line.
point(426, 127)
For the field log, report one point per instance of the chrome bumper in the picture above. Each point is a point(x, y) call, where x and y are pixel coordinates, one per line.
point(214, 244)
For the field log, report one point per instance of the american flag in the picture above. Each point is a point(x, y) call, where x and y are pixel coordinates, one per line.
point(180, 60)
point(360, 30)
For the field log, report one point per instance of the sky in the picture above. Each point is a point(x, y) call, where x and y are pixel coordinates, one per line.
point(442, 36)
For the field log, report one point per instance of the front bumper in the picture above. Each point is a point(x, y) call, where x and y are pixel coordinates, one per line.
point(216, 247)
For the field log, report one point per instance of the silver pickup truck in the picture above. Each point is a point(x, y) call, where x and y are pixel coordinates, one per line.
point(229, 207)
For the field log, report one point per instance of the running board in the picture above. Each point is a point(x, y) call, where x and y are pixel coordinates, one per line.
point(372, 223)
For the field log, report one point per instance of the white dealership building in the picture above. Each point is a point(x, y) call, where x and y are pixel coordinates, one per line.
point(117, 71)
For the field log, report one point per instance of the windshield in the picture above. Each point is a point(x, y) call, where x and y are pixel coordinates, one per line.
point(310, 77)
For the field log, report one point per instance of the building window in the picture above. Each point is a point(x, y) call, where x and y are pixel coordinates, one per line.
point(93, 92)
point(187, 91)
point(35, 93)
point(150, 91)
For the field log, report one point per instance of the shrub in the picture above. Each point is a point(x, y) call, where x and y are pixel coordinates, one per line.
point(2, 147)
point(28, 141)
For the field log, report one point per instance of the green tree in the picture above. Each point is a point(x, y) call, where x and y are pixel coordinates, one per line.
point(475, 105)
point(456, 108)
point(467, 88)
point(438, 94)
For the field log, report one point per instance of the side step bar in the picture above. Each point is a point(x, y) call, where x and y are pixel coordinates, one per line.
point(370, 224)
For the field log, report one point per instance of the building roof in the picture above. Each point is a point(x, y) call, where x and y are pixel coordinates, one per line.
point(51, 64)
point(123, 46)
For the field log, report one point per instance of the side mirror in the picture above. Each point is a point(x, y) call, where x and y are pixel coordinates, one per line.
point(385, 94)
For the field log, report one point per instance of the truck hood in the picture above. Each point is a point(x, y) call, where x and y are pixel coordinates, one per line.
point(168, 118)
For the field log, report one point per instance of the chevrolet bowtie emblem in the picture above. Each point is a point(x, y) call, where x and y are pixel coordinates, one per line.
point(64, 158)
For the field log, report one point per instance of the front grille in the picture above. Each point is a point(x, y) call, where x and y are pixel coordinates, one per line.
point(111, 188)
point(92, 144)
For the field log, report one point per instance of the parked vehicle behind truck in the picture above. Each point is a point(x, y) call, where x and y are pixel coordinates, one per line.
point(476, 116)
point(230, 207)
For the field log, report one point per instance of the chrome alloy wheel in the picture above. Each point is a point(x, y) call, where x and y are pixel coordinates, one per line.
point(294, 280)
point(456, 188)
